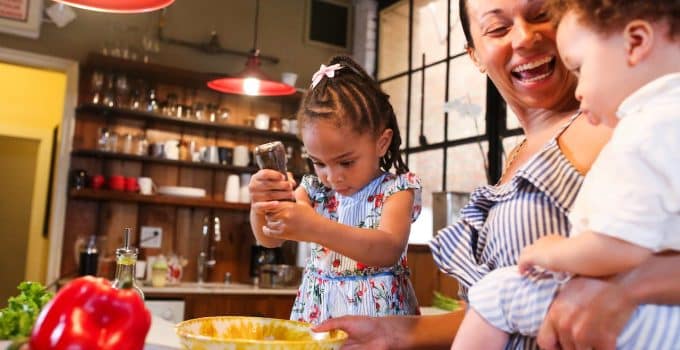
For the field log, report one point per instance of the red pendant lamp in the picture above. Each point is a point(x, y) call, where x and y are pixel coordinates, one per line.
point(118, 6)
point(251, 80)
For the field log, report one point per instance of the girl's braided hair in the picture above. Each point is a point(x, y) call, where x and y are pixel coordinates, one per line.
point(353, 99)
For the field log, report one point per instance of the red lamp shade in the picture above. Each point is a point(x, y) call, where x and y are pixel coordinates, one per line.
point(251, 81)
point(118, 6)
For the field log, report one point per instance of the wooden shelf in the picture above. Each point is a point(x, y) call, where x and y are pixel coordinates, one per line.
point(149, 116)
point(184, 163)
point(121, 196)
point(166, 74)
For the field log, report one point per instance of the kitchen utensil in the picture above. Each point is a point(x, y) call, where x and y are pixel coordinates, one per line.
point(131, 184)
point(97, 181)
point(271, 155)
point(260, 255)
point(241, 155)
point(78, 179)
point(146, 185)
point(256, 333)
point(289, 78)
point(262, 121)
point(225, 155)
point(210, 154)
point(117, 182)
point(232, 188)
point(279, 276)
point(244, 191)
point(171, 149)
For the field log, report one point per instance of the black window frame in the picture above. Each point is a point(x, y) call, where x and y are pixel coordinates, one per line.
point(495, 114)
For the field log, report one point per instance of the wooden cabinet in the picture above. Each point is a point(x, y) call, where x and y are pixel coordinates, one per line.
point(277, 306)
point(105, 212)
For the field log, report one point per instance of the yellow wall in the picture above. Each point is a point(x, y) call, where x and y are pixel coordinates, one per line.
point(17, 176)
point(31, 105)
point(31, 98)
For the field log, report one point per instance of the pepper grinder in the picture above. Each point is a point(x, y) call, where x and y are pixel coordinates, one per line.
point(126, 259)
point(272, 155)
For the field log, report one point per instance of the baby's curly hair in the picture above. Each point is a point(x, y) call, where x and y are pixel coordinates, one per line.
point(607, 16)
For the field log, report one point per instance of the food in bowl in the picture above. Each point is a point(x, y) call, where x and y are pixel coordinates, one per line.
point(254, 333)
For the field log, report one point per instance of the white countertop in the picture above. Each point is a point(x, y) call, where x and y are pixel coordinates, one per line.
point(161, 335)
point(217, 288)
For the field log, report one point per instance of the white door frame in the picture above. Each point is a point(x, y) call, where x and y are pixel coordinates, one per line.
point(63, 157)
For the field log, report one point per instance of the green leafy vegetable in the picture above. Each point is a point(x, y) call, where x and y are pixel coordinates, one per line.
point(444, 302)
point(17, 319)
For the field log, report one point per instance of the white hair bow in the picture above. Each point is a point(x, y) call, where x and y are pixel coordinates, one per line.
point(324, 70)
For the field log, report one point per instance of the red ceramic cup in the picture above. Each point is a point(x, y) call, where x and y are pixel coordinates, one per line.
point(131, 184)
point(97, 181)
point(117, 183)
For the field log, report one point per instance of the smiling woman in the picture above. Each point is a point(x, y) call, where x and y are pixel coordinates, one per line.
point(513, 42)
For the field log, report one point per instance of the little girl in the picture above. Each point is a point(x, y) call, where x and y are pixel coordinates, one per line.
point(355, 212)
point(626, 55)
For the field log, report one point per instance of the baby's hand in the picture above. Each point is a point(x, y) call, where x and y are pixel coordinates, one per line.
point(539, 253)
point(270, 185)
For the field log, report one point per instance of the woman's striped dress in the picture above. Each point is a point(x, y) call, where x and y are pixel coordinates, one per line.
point(500, 220)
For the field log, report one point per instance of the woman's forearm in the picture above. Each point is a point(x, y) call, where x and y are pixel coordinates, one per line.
point(427, 332)
point(656, 281)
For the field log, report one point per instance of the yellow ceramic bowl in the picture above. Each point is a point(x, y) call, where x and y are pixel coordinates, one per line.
point(254, 333)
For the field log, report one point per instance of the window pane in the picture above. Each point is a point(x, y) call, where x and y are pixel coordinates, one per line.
point(467, 100)
point(428, 166)
point(397, 90)
point(466, 167)
point(457, 37)
point(393, 49)
point(433, 112)
point(511, 121)
point(429, 31)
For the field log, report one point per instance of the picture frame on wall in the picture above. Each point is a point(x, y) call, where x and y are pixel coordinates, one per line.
point(21, 17)
point(328, 24)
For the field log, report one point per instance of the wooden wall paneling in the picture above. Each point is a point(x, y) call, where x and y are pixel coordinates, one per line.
point(198, 177)
point(269, 106)
point(163, 216)
point(281, 305)
point(240, 109)
point(232, 253)
point(114, 217)
point(127, 168)
point(93, 166)
point(86, 131)
point(162, 174)
point(80, 223)
point(188, 238)
point(423, 273)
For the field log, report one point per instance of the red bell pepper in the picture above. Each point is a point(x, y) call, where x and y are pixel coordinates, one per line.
point(88, 314)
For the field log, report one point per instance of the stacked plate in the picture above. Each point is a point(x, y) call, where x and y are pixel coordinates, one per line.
point(181, 191)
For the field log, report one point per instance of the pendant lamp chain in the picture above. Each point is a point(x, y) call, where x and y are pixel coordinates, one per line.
point(257, 15)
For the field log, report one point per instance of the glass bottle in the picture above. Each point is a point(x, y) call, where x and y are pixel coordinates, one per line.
point(89, 258)
point(126, 259)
